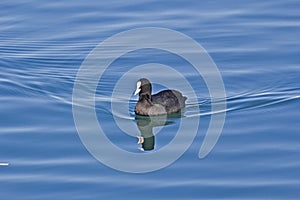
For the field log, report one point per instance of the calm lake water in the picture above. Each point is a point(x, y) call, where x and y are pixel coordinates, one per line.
point(256, 47)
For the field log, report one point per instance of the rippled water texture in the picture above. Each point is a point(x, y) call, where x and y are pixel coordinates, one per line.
point(256, 47)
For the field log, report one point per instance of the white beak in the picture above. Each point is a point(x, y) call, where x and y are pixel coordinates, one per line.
point(138, 87)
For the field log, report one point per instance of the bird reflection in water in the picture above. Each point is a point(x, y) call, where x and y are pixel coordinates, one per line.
point(146, 124)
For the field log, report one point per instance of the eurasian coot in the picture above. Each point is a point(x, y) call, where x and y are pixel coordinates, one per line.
point(162, 103)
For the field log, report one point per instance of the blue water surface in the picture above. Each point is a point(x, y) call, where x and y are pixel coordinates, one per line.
point(255, 45)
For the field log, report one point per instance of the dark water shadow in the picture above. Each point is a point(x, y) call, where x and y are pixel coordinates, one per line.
point(146, 124)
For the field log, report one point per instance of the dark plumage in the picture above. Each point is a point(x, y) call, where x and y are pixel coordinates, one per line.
point(162, 103)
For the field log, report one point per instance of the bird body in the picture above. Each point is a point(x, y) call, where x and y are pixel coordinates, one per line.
point(162, 103)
